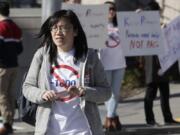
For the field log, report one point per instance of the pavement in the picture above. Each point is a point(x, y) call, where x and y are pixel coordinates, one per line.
point(131, 114)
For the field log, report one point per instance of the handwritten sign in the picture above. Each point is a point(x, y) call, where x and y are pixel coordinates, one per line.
point(140, 33)
point(94, 20)
point(171, 35)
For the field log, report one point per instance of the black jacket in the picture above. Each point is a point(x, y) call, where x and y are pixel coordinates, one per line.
point(10, 44)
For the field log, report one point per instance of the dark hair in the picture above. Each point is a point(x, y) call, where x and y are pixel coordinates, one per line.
point(4, 8)
point(115, 18)
point(80, 41)
point(153, 5)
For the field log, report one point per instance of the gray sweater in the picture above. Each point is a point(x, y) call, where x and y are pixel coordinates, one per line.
point(97, 90)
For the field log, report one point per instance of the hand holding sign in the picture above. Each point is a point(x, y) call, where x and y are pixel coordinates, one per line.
point(76, 91)
point(49, 95)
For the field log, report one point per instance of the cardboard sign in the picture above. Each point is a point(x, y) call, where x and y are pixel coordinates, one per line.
point(94, 19)
point(171, 35)
point(140, 33)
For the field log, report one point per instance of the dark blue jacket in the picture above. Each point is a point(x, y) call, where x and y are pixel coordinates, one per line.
point(10, 43)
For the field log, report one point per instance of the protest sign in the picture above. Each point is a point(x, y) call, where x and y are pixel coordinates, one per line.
point(171, 36)
point(94, 19)
point(140, 33)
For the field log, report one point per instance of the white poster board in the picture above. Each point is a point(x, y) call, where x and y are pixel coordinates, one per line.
point(171, 34)
point(140, 33)
point(94, 19)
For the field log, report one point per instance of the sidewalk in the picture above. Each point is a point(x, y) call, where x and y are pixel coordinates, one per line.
point(131, 113)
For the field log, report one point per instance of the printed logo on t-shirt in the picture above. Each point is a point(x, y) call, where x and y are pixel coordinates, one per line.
point(113, 38)
point(64, 76)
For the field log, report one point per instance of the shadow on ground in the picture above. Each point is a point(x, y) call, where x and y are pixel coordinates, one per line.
point(142, 99)
point(143, 129)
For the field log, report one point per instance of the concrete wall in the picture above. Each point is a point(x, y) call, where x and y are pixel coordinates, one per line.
point(170, 9)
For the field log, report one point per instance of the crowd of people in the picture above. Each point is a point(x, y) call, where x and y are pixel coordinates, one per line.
point(68, 80)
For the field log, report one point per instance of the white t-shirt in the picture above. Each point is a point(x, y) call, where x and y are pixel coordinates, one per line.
point(112, 56)
point(66, 118)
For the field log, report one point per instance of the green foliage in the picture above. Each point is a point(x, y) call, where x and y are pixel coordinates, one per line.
point(134, 78)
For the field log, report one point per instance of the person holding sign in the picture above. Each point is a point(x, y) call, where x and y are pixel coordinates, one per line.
point(154, 81)
point(66, 79)
point(114, 64)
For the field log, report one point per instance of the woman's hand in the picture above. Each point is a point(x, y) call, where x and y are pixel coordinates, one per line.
point(76, 91)
point(49, 95)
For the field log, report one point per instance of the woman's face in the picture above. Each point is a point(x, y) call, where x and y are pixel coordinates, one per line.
point(63, 35)
point(112, 12)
